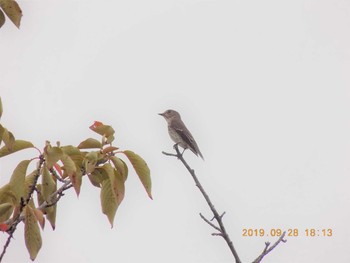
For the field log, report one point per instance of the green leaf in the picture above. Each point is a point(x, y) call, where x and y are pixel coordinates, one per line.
point(117, 182)
point(2, 21)
point(94, 179)
point(69, 165)
point(32, 233)
point(6, 210)
point(6, 195)
point(70, 150)
point(97, 176)
point(51, 215)
point(119, 186)
point(52, 155)
point(29, 181)
point(121, 166)
point(90, 144)
point(109, 201)
point(71, 170)
point(75, 154)
point(12, 10)
point(48, 184)
point(141, 169)
point(2, 129)
point(17, 181)
point(17, 146)
point(90, 161)
point(8, 139)
point(102, 129)
point(39, 196)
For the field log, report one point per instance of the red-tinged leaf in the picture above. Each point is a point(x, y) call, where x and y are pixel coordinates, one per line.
point(58, 169)
point(102, 129)
point(142, 170)
point(40, 217)
point(96, 123)
point(12, 10)
point(109, 201)
point(4, 227)
point(6, 210)
point(17, 181)
point(18, 145)
point(32, 234)
point(109, 149)
point(90, 144)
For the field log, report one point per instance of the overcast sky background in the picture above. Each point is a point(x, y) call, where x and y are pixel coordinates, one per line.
point(262, 85)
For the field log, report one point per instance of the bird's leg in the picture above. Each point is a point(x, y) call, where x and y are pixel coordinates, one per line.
point(176, 147)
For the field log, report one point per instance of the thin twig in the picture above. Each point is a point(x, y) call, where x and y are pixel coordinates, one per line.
point(56, 196)
point(217, 217)
point(54, 173)
point(268, 249)
point(209, 223)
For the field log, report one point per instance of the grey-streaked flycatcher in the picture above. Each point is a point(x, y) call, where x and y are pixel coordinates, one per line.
point(179, 133)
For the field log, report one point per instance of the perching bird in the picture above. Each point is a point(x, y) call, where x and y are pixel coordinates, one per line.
point(179, 133)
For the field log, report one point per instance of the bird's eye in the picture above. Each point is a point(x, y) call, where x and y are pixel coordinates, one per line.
point(169, 111)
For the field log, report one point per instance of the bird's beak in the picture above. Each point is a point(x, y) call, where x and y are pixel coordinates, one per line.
point(161, 114)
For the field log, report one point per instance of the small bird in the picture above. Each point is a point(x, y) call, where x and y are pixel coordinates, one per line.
point(179, 133)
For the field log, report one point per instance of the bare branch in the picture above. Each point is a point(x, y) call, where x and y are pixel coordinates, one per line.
point(268, 249)
point(217, 217)
point(209, 223)
point(222, 215)
point(169, 154)
point(217, 234)
point(221, 228)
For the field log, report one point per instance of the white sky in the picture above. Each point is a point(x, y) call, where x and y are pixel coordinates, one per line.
point(262, 85)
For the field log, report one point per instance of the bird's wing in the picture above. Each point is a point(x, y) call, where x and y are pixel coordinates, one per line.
point(186, 136)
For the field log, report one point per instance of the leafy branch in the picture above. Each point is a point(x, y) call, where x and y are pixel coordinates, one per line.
point(219, 227)
point(33, 198)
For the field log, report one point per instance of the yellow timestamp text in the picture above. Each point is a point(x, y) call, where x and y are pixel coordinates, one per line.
point(291, 232)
